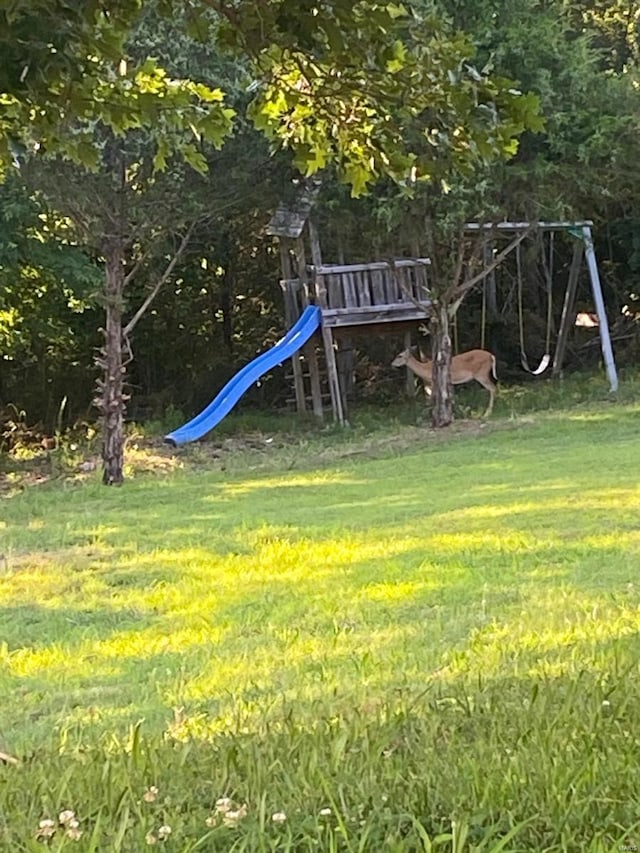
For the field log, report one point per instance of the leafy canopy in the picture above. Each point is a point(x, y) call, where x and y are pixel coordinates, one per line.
point(372, 88)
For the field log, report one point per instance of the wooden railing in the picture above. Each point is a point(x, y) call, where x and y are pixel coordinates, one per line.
point(371, 285)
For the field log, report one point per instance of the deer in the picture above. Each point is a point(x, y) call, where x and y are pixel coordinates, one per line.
point(475, 364)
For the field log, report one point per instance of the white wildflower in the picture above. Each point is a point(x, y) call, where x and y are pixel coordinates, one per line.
point(223, 805)
point(232, 817)
point(65, 816)
point(46, 829)
point(279, 817)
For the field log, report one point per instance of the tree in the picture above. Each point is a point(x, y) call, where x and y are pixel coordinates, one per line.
point(117, 194)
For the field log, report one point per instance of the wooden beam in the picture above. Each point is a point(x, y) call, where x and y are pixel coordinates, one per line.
point(336, 269)
point(521, 226)
point(373, 314)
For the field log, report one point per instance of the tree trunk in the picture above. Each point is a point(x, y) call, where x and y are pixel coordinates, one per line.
point(227, 292)
point(441, 388)
point(112, 398)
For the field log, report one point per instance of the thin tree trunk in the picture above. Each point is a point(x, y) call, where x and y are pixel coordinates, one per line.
point(441, 388)
point(112, 398)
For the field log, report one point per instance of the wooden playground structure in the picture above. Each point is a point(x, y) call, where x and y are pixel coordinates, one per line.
point(392, 297)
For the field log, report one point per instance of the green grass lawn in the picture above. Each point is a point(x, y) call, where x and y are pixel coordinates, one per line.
point(411, 644)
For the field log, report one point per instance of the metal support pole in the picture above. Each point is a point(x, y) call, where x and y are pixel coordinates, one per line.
point(605, 338)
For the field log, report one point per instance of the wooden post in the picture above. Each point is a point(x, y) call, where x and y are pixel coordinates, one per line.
point(314, 377)
point(314, 368)
point(605, 339)
point(309, 349)
point(568, 314)
point(290, 317)
point(337, 402)
point(314, 241)
point(330, 357)
point(285, 258)
point(301, 263)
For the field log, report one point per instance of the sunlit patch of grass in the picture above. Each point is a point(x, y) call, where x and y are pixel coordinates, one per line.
point(322, 478)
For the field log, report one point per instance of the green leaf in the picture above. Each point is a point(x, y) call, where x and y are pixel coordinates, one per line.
point(194, 158)
point(160, 158)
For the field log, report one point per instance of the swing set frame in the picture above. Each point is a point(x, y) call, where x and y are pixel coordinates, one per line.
point(582, 249)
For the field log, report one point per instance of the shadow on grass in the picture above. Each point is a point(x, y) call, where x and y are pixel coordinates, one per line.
point(32, 626)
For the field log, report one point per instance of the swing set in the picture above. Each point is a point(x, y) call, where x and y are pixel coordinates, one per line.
point(580, 232)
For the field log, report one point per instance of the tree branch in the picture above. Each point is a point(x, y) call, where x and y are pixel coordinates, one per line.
point(133, 322)
point(134, 269)
point(127, 344)
point(457, 275)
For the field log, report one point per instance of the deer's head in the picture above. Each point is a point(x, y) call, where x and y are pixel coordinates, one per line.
point(402, 358)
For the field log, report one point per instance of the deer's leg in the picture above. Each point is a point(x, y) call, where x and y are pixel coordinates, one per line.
point(491, 388)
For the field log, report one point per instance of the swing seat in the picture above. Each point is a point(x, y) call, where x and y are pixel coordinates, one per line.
point(540, 369)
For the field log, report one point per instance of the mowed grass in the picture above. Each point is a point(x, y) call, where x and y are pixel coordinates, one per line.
point(434, 649)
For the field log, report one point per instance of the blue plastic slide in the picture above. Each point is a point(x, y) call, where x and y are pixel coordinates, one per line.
point(219, 408)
